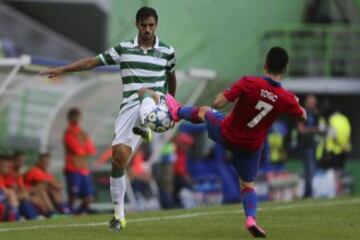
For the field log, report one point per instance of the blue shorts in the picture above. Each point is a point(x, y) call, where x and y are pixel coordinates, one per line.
point(246, 163)
point(79, 185)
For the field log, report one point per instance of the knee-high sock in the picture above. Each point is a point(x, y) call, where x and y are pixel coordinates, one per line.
point(118, 189)
point(190, 114)
point(249, 201)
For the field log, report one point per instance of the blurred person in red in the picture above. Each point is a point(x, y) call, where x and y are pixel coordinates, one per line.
point(37, 194)
point(2, 198)
point(39, 177)
point(78, 147)
point(13, 179)
point(182, 178)
point(140, 173)
point(9, 204)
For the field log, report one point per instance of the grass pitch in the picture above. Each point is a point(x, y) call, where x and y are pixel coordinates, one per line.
point(319, 219)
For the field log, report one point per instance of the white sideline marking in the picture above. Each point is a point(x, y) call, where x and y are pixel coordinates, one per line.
point(182, 216)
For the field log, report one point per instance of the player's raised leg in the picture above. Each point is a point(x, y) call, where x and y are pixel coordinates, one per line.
point(149, 100)
point(177, 111)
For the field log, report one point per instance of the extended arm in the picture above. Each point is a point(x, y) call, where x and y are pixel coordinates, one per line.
point(303, 118)
point(171, 79)
point(220, 101)
point(231, 94)
point(80, 65)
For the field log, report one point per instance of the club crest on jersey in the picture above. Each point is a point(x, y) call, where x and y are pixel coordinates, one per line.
point(158, 54)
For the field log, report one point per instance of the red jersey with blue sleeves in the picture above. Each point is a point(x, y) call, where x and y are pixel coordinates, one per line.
point(259, 102)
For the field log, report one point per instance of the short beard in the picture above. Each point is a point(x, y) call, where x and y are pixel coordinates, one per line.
point(144, 38)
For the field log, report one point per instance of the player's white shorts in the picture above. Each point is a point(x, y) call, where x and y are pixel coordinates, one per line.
point(124, 124)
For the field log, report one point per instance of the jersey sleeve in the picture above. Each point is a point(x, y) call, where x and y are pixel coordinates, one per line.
point(90, 146)
point(293, 106)
point(111, 56)
point(238, 88)
point(170, 65)
point(35, 176)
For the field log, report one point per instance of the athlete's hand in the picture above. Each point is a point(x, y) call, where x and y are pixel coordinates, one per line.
point(52, 72)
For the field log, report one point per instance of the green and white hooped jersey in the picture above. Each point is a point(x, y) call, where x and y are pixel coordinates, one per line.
point(140, 68)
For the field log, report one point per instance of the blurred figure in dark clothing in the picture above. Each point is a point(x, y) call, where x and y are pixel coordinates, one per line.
point(308, 132)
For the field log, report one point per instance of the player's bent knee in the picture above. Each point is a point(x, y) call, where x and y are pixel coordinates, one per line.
point(121, 154)
point(119, 162)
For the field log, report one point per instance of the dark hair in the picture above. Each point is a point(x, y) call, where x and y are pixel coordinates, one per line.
point(18, 153)
point(73, 112)
point(277, 60)
point(146, 12)
point(7, 157)
point(42, 156)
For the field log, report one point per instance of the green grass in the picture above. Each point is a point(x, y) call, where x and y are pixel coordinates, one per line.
point(320, 219)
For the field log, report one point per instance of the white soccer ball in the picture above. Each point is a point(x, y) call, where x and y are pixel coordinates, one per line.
point(159, 119)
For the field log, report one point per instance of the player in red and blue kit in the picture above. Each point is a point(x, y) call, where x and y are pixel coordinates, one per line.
point(78, 147)
point(258, 103)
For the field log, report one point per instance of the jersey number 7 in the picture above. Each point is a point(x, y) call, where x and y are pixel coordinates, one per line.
point(264, 108)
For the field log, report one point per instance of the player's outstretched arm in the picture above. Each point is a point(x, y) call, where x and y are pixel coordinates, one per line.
point(171, 79)
point(303, 117)
point(80, 65)
point(220, 101)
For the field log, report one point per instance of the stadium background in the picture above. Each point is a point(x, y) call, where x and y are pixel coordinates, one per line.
point(216, 42)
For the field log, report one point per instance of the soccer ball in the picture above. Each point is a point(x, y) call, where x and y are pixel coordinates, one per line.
point(159, 119)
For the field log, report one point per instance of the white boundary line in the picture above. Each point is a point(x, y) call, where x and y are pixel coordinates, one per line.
point(188, 215)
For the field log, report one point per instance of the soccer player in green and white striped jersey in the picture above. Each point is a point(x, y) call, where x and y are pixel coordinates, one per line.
point(147, 68)
point(145, 62)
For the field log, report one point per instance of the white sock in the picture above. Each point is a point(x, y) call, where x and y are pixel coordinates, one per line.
point(117, 190)
point(147, 105)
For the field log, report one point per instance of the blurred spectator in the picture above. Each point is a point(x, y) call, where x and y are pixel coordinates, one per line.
point(308, 132)
point(9, 204)
point(78, 147)
point(140, 174)
point(164, 172)
point(183, 181)
point(2, 195)
point(338, 139)
point(202, 144)
point(276, 139)
point(38, 179)
point(13, 179)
